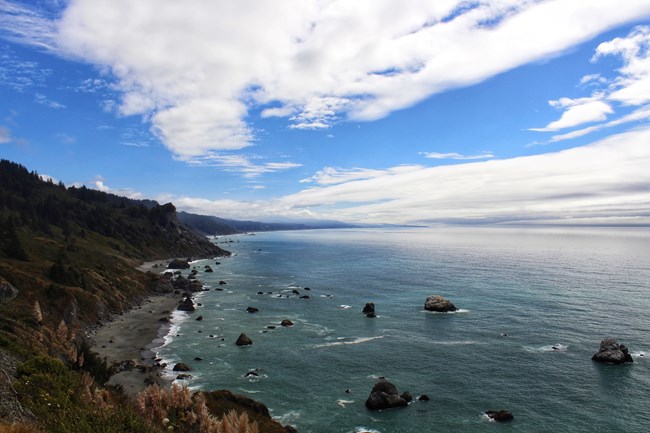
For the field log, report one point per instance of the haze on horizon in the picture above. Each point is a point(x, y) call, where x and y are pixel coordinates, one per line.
point(417, 112)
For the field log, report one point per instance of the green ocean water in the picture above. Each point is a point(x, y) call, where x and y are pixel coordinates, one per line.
point(555, 293)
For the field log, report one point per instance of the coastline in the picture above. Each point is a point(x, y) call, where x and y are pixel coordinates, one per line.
point(130, 340)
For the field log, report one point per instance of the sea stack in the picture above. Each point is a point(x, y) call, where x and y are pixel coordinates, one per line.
point(611, 352)
point(438, 304)
point(384, 395)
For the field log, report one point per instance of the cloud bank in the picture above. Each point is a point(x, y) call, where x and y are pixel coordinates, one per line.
point(606, 182)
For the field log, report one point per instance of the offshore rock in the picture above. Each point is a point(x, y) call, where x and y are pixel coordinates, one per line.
point(384, 395)
point(438, 304)
point(612, 353)
point(252, 310)
point(243, 340)
point(286, 323)
point(500, 415)
point(369, 308)
point(182, 367)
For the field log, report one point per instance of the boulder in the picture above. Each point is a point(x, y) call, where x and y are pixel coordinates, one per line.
point(252, 310)
point(499, 415)
point(182, 367)
point(198, 319)
point(179, 264)
point(384, 395)
point(424, 397)
point(438, 304)
point(286, 323)
point(183, 376)
point(222, 283)
point(186, 304)
point(243, 340)
point(612, 352)
point(369, 308)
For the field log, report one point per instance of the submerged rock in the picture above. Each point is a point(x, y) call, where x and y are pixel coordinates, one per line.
point(438, 304)
point(384, 395)
point(252, 310)
point(612, 352)
point(499, 415)
point(243, 340)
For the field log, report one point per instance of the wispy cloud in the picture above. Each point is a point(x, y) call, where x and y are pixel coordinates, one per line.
point(44, 100)
point(241, 164)
point(99, 183)
point(457, 156)
point(197, 69)
point(5, 135)
point(66, 138)
point(334, 175)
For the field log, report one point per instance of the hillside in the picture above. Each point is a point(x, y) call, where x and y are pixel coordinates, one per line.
point(215, 226)
point(67, 262)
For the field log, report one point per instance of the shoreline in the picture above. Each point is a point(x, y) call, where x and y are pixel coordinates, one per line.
point(130, 340)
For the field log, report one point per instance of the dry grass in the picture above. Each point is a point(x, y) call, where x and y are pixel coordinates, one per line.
point(19, 428)
point(176, 409)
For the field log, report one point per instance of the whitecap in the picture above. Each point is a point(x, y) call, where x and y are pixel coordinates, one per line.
point(548, 348)
point(342, 402)
point(365, 430)
point(458, 311)
point(289, 418)
point(357, 341)
point(249, 391)
point(345, 307)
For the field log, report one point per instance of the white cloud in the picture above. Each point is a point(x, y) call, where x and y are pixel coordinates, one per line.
point(630, 88)
point(66, 138)
point(457, 156)
point(578, 112)
point(606, 181)
point(196, 69)
point(99, 184)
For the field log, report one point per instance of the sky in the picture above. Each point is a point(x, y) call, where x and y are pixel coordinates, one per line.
point(367, 111)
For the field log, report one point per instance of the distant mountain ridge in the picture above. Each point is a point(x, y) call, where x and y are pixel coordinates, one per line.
point(214, 226)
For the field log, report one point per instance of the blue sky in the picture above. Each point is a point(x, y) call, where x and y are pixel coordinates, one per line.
point(377, 111)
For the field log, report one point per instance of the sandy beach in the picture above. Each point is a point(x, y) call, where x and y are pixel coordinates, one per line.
point(133, 335)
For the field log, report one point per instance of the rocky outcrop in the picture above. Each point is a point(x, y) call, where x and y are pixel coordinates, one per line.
point(179, 264)
point(286, 323)
point(369, 308)
point(384, 395)
point(243, 340)
point(7, 292)
point(186, 304)
point(438, 304)
point(182, 367)
point(612, 352)
point(499, 415)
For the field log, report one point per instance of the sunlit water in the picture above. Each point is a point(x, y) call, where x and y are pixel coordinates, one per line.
point(555, 293)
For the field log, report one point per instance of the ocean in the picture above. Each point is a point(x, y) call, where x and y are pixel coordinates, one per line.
point(534, 304)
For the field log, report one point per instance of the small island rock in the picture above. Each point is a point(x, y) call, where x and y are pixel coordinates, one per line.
point(243, 340)
point(612, 352)
point(286, 323)
point(384, 395)
point(369, 308)
point(438, 304)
